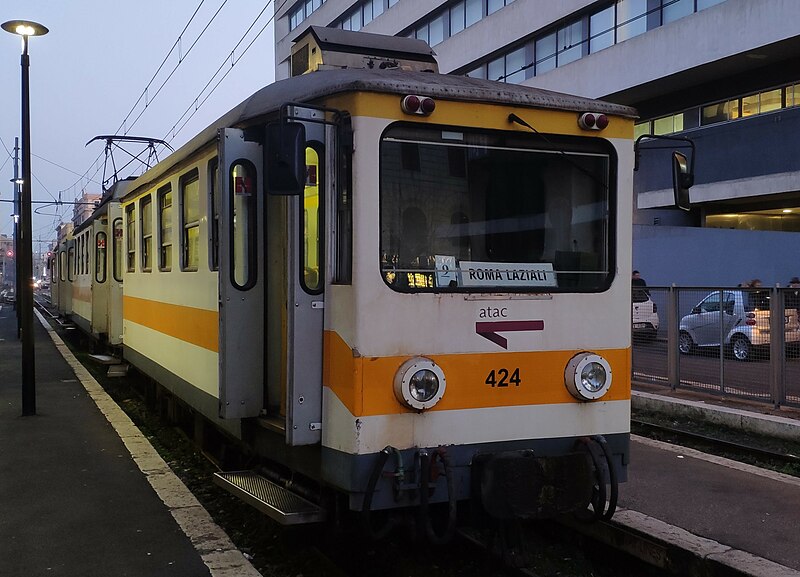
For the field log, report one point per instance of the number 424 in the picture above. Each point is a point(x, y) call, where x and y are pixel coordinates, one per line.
point(503, 377)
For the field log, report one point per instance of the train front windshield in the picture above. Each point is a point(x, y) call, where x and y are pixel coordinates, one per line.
point(486, 211)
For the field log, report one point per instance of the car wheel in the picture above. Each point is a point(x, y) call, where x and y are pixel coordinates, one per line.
point(685, 343)
point(741, 348)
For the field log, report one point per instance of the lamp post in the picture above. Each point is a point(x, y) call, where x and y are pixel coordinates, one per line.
point(25, 246)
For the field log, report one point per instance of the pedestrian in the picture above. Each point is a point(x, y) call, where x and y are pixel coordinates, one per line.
point(640, 292)
point(637, 280)
point(792, 300)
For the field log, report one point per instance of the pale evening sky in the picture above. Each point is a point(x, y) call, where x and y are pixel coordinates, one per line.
point(89, 71)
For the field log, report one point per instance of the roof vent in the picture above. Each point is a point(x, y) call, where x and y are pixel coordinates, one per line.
point(320, 48)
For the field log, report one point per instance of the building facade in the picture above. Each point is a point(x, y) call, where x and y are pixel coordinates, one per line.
point(720, 72)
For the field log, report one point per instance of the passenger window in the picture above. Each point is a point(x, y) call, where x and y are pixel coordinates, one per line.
point(165, 228)
point(62, 265)
point(215, 212)
point(146, 214)
point(117, 250)
point(243, 226)
point(190, 213)
point(100, 258)
point(312, 251)
point(130, 226)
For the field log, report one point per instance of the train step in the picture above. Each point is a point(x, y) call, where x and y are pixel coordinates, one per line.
point(279, 503)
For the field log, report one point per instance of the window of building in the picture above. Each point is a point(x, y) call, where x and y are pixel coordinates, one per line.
point(165, 228)
point(546, 49)
point(676, 9)
point(130, 230)
point(146, 215)
point(457, 22)
point(631, 18)
point(302, 11)
point(570, 42)
point(601, 29)
point(612, 22)
point(190, 220)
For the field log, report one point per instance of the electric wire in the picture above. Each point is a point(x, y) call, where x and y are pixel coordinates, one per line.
point(96, 161)
point(195, 105)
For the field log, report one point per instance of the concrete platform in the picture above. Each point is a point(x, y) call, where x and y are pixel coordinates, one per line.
point(84, 493)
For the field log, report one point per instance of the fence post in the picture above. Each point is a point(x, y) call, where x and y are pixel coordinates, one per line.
point(777, 348)
point(673, 354)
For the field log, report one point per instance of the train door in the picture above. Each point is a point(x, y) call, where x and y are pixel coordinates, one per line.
point(241, 277)
point(297, 212)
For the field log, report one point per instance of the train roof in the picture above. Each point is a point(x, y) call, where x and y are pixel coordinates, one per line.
point(323, 83)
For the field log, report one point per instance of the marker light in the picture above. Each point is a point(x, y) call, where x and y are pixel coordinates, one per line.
point(421, 105)
point(592, 121)
point(587, 376)
point(419, 383)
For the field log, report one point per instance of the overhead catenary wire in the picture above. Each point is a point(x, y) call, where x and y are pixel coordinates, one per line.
point(196, 102)
point(96, 164)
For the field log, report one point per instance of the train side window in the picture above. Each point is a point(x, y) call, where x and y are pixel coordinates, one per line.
point(311, 278)
point(165, 228)
point(71, 264)
point(146, 215)
point(215, 214)
point(62, 265)
point(243, 224)
point(130, 229)
point(117, 250)
point(190, 220)
point(100, 257)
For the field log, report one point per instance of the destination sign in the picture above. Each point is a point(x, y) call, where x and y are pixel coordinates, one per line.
point(506, 274)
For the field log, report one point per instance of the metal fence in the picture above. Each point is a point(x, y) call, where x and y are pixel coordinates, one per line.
point(729, 341)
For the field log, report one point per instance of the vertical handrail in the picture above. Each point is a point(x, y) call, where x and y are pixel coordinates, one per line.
point(721, 343)
point(777, 349)
point(673, 354)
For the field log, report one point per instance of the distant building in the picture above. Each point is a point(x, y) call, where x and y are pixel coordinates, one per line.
point(84, 207)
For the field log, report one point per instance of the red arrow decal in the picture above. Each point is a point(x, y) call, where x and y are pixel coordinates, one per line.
point(489, 330)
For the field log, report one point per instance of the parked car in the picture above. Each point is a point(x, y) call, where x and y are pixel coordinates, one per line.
point(745, 323)
point(644, 315)
point(8, 295)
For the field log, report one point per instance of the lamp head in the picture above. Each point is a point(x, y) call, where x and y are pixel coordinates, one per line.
point(24, 28)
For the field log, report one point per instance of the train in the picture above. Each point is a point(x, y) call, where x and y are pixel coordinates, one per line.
point(402, 293)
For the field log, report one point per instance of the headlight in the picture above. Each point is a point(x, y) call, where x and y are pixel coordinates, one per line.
point(419, 383)
point(587, 376)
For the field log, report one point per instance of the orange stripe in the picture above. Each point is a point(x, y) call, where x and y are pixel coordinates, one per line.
point(196, 326)
point(365, 385)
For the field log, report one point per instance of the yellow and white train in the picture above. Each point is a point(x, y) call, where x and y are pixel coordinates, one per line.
point(399, 290)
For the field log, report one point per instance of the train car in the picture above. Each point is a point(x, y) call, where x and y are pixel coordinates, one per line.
point(398, 290)
point(61, 289)
point(96, 279)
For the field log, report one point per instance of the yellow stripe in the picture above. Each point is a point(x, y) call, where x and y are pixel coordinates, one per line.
point(474, 114)
point(196, 326)
point(365, 385)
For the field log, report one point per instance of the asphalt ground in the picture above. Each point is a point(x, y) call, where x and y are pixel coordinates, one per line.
point(83, 492)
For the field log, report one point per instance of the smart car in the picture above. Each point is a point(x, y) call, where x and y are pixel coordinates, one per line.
point(744, 322)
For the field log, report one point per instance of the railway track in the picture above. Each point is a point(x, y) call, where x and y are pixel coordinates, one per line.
point(725, 446)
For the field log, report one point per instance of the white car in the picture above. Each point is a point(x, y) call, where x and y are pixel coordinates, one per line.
point(644, 315)
point(745, 323)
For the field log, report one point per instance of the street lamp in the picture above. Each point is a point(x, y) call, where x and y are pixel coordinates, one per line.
point(25, 249)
